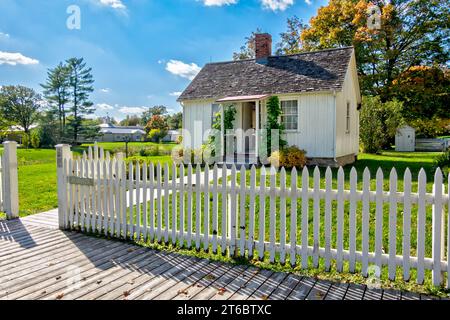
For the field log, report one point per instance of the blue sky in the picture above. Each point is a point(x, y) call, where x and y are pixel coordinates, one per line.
point(142, 52)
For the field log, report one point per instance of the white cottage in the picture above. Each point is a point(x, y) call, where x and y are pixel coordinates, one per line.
point(319, 94)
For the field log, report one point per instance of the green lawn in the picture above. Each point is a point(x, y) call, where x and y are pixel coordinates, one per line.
point(120, 146)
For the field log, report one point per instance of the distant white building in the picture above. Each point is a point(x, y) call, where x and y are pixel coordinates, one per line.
point(111, 133)
point(405, 139)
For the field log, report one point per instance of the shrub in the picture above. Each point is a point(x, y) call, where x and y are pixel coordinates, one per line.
point(157, 134)
point(288, 157)
point(25, 140)
point(443, 162)
point(143, 152)
point(35, 139)
point(179, 139)
point(378, 123)
point(431, 128)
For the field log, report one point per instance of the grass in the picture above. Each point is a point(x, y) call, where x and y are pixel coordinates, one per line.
point(114, 146)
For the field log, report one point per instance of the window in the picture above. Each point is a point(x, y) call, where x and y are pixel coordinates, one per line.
point(347, 124)
point(215, 108)
point(289, 116)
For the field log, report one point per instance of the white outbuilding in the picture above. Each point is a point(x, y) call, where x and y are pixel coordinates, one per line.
point(405, 139)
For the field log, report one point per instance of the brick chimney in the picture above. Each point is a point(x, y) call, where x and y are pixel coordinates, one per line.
point(263, 47)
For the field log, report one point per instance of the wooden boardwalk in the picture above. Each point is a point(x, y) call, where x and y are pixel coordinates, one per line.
point(38, 261)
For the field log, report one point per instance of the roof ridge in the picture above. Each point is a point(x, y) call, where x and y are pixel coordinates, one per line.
point(283, 55)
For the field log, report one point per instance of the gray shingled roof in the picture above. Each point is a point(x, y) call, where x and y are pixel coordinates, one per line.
point(311, 71)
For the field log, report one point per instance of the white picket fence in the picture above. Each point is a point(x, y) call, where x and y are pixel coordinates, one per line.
point(251, 214)
point(9, 188)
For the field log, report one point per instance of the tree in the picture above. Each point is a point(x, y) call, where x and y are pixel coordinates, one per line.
point(56, 91)
point(247, 51)
point(291, 42)
point(378, 123)
point(153, 111)
point(425, 92)
point(157, 122)
point(80, 81)
point(273, 115)
point(412, 32)
point(20, 105)
point(130, 121)
point(175, 121)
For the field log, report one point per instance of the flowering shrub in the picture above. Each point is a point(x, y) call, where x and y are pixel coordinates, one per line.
point(288, 157)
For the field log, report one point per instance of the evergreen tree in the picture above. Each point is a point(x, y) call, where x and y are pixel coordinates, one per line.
point(80, 81)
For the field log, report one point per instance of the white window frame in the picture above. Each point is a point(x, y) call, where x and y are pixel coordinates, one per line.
point(298, 113)
point(347, 117)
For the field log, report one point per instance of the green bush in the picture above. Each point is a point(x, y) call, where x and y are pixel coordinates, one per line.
point(443, 162)
point(378, 123)
point(35, 139)
point(25, 140)
point(288, 158)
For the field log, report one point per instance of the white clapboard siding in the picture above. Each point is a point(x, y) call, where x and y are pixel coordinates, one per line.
point(150, 203)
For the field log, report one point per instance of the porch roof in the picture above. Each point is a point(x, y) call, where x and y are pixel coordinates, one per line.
point(244, 98)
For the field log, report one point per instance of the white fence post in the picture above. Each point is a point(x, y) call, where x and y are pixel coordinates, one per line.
point(10, 180)
point(62, 153)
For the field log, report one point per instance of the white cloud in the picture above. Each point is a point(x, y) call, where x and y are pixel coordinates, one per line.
point(132, 110)
point(275, 5)
point(105, 90)
point(218, 3)
point(115, 4)
point(308, 2)
point(13, 59)
point(175, 94)
point(104, 106)
point(4, 35)
point(182, 69)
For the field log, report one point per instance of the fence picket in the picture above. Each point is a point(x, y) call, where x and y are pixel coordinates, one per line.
point(406, 224)
point(352, 220)
point(137, 222)
point(262, 212)
point(158, 202)
point(111, 196)
point(305, 221)
point(123, 199)
point(273, 214)
point(89, 195)
point(76, 195)
point(365, 221)
point(152, 202)
point(131, 189)
point(198, 207)
point(166, 202)
point(223, 244)
point(379, 218)
point(71, 196)
point(242, 212)
point(437, 228)
point(421, 226)
point(448, 233)
point(392, 223)
point(82, 194)
point(293, 233)
point(189, 206)
point(215, 201)
point(182, 186)
point(282, 215)
point(251, 231)
point(99, 223)
point(316, 217)
point(174, 204)
point(340, 221)
point(328, 221)
point(233, 212)
point(144, 200)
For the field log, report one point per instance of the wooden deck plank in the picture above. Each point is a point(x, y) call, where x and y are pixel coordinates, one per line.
point(223, 290)
point(264, 291)
point(302, 289)
point(204, 279)
point(319, 291)
point(220, 285)
point(373, 294)
point(337, 291)
point(256, 282)
point(389, 294)
point(355, 292)
point(286, 287)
